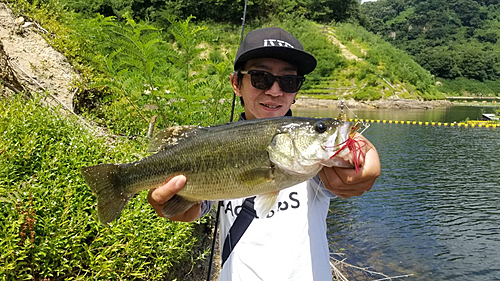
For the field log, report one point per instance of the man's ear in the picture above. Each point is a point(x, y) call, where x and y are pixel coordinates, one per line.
point(234, 83)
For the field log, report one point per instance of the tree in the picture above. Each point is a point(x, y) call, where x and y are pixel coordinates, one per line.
point(439, 61)
point(450, 38)
point(187, 38)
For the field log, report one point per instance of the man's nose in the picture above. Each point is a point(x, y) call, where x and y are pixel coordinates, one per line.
point(275, 90)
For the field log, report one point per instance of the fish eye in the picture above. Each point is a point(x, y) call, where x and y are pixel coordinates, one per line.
point(320, 127)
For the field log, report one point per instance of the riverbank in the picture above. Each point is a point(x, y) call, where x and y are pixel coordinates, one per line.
point(378, 104)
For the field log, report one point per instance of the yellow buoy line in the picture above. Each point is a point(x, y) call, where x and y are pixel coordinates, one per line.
point(472, 124)
point(366, 122)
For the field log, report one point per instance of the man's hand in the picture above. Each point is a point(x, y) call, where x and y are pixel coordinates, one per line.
point(345, 183)
point(159, 196)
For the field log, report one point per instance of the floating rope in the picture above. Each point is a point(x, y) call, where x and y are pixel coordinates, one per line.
point(472, 124)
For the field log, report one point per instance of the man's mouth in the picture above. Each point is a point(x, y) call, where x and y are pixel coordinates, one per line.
point(271, 106)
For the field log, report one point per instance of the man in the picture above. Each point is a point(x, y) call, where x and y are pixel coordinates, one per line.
point(290, 242)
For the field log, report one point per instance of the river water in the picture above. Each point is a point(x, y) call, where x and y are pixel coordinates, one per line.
point(434, 212)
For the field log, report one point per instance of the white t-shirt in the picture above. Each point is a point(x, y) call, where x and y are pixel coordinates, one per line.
point(289, 244)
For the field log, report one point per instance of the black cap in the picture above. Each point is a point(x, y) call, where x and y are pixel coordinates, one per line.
point(274, 42)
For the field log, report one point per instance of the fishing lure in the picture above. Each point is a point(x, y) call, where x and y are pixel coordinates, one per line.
point(355, 146)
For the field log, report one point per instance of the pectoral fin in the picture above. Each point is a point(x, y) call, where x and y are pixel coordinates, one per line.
point(257, 176)
point(265, 202)
point(176, 205)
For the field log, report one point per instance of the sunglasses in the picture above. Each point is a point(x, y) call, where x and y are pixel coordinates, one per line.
point(264, 80)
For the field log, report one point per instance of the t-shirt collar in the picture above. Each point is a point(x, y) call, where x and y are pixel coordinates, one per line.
point(243, 117)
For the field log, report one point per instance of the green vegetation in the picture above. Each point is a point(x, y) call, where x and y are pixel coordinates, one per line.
point(454, 40)
point(50, 228)
point(380, 72)
point(220, 10)
point(171, 70)
point(141, 76)
point(469, 87)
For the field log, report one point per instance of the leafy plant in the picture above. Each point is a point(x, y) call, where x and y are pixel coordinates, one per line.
point(49, 227)
point(186, 53)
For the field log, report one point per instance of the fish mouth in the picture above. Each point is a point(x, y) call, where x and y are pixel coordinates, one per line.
point(338, 140)
point(271, 106)
point(337, 148)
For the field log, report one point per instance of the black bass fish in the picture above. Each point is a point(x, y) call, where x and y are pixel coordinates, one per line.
point(235, 160)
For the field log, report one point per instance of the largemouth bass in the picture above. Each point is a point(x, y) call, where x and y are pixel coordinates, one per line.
point(235, 160)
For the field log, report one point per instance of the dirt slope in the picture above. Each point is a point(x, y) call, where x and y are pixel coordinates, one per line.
point(36, 64)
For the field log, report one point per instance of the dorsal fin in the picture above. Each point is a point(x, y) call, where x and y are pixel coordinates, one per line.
point(171, 136)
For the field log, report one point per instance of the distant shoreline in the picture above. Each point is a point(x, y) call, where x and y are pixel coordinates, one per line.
point(378, 104)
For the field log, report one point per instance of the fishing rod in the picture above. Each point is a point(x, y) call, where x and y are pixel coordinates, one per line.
point(219, 206)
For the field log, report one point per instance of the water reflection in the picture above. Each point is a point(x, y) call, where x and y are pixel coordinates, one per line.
point(443, 114)
point(434, 211)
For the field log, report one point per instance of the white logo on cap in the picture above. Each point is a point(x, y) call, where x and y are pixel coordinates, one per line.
point(276, 42)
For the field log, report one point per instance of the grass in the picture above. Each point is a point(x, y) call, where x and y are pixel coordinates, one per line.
point(50, 229)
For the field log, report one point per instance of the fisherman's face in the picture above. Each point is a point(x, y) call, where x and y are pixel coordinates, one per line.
point(272, 102)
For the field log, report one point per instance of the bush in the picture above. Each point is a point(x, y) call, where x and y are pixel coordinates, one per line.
point(49, 227)
point(367, 94)
point(467, 87)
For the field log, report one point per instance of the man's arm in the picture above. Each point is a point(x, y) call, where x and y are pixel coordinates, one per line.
point(345, 182)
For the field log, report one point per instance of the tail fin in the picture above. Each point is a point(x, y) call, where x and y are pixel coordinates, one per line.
point(105, 182)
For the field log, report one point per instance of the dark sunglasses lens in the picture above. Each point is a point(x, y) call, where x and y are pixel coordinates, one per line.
point(262, 80)
point(290, 84)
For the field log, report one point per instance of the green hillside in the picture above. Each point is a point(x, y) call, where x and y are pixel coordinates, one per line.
point(371, 69)
point(135, 65)
point(457, 41)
